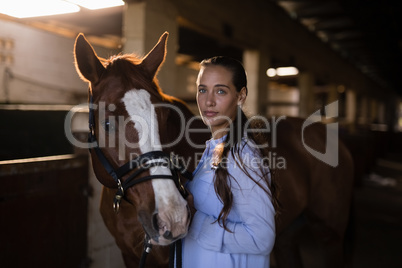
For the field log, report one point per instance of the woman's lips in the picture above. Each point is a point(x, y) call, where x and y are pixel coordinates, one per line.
point(210, 113)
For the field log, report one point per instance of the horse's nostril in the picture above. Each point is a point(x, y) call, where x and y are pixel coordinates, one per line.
point(155, 221)
point(188, 213)
point(168, 235)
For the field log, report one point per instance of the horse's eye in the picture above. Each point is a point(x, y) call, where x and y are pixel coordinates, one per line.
point(108, 126)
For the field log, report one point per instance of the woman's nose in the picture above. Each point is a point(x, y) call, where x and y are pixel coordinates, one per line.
point(210, 100)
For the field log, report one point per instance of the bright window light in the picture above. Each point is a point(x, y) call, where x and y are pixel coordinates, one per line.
point(97, 4)
point(282, 71)
point(36, 8)
point(271, 72)
point(286, 71)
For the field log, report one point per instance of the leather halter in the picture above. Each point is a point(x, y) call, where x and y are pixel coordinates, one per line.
point(140, 163)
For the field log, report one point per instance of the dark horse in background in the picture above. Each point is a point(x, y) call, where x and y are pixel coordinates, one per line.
point(127, 89)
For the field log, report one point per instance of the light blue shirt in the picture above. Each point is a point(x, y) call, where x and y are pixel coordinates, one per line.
point(251, 218)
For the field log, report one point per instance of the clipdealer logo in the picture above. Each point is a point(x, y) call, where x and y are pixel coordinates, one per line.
point(330, 156)
point(275, 160)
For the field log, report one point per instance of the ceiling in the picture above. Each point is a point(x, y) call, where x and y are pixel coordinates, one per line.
point(368, 33)
point(102, 26)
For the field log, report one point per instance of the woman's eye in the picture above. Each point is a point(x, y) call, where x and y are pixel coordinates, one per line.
point(201, 90)
point(221, 91)
point(108, 126)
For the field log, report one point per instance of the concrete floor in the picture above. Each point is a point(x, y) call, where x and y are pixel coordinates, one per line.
point(378, 217)
point(378, 237)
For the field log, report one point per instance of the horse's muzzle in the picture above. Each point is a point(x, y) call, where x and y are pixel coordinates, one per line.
point(166, 231)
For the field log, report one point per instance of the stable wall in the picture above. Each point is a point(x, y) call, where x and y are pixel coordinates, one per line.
point(42, 71)
point(38, 66)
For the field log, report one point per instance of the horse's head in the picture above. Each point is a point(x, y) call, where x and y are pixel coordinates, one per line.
point(128, 122)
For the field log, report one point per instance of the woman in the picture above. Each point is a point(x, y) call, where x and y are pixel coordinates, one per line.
point(234, 198)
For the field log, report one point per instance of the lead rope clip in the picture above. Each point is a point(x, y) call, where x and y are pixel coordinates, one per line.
point(147, 244)
point(117, 198)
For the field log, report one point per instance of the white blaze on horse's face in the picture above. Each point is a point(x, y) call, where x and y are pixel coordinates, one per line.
point(171, 208)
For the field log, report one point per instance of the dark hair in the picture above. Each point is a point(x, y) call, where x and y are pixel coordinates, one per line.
point(232, 143)
point(239, 78)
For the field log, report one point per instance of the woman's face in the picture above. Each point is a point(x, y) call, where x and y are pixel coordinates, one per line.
point(217, 98)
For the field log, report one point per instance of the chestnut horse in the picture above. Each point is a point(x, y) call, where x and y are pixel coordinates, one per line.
point(131, 116)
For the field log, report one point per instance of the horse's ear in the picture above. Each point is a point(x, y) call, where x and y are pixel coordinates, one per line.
point(87, 62)
point(153, 60)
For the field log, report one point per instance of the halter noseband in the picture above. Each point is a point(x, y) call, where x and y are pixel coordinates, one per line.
point(141, 163)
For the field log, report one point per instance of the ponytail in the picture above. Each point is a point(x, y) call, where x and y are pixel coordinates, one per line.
point(223, 180)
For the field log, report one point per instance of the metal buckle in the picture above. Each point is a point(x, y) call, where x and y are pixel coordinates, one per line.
point(118, 197)
point(147, 244)
point(174, 161)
